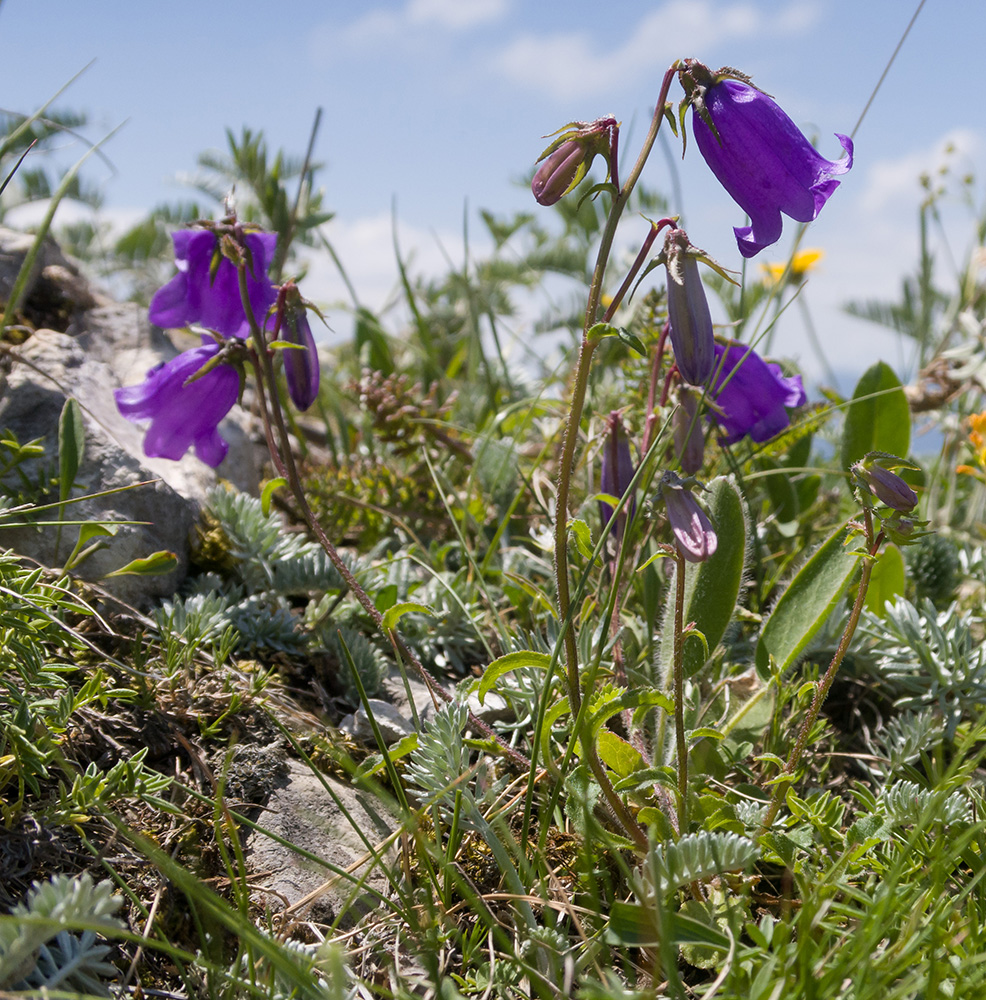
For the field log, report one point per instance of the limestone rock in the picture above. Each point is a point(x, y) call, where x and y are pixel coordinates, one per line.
point(303, 812)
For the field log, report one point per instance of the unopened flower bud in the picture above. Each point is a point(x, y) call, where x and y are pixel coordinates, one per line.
point(688, 310)
point(889, 488)
point(617, 472)
point(301, 362)
point(694, 536)
point(567, 160)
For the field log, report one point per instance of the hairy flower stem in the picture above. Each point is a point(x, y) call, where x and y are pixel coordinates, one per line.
point(678, 680)
point(570, 436)
point(821, 692)
point(283, 460)
point(579, 385)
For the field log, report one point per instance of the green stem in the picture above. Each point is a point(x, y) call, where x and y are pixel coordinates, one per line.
point(579, 386)
point(821, 692)
point(569, 440)
point(678, 678)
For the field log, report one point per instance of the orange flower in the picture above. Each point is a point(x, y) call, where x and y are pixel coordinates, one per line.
point(977, 438)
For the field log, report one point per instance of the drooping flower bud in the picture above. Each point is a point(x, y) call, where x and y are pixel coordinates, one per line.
point(688, 310)
point(617, 472)
point(301, 361)
point(872, 476)
point(689, 434)
point(694, 536)
point(568, 158)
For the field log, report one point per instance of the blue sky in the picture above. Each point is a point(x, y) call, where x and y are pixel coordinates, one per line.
point(432, 103)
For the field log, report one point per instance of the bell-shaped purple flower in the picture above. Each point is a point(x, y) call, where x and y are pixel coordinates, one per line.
point(694, 536)
point(758, 155)
point(617, 472)
point(183, 414)
point(688, 310)
point(301, 362)
point(751, 396)
point(206, 289)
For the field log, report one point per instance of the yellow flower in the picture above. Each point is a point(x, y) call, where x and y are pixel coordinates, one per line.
point(801, 263)
point(977, 438)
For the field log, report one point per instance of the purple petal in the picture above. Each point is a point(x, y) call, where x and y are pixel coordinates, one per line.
point(764, 162)
point(183, 414)
point(752, 395)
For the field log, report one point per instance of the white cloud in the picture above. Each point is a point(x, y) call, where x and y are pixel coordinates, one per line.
point(382, 26)
point(455, 14)
point(890, 181)
point(567, 65)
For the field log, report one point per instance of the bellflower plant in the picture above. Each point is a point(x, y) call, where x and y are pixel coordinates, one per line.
point(206, 289)
point(758, 154)
point(184, 410)
point(751, 395)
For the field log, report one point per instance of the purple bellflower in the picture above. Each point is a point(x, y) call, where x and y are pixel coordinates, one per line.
point(688, 309)
point(758, 154)
point(751, 396)
point(301, 361)
point(183, 413)
point(694, 536)
point(206, 289)
point(617, 471)
point(567, 160)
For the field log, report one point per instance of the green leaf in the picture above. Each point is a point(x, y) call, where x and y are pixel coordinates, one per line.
point(71, 444)
point(711, 587)
point(268, 493)
point(512, 661)
point(631, 925)
point(878, 417)
point(632, 341)
point(394, 614)
point(791, 493)
point(808, 600)
point(617, 754)
point(583, 536)
point(153, 565)
point(887, 581)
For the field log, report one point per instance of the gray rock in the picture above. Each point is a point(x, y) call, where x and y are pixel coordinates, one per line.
point(391, 723)
point(303, 812)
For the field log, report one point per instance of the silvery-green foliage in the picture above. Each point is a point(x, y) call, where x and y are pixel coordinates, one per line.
point(932, 658)
point(328, 978)
point(264, 621)
point(198, 617)
point(697, 856)
point(37, 949)
point(907, 803)
point(370, 663)
point(904, 737)
point(268, 557)
point(441, 759)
